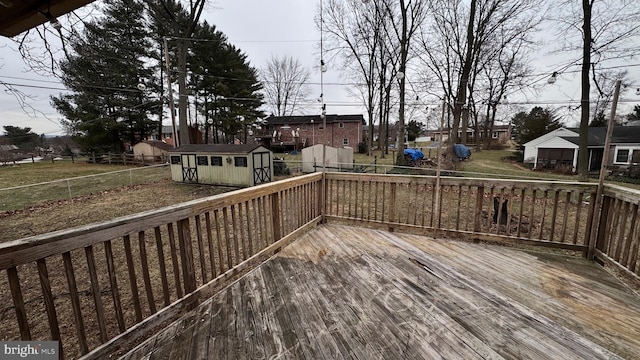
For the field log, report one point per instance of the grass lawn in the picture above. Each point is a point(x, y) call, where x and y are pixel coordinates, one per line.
point(42, 171)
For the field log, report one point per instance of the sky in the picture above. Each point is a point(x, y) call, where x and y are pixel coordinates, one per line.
point(263, 29)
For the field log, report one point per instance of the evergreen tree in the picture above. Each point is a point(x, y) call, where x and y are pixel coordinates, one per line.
point(23, 138)
point(228, 89)
point(528, 126)
point(106, 106)
point(635, 115)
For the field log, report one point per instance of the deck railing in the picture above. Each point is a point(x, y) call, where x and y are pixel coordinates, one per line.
point(556, 214)
point(618, 236)
point(114, 282)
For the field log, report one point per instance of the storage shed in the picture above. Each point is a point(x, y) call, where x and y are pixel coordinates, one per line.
point(222, 164)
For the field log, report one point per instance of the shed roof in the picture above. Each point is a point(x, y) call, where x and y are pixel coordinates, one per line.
point(159, 144)
point(216, 148)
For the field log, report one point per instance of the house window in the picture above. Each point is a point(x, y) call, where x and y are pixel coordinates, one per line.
point(622, 156)
point(240, 161)
point(345, 141)
point(175, 160)
point(216, 161)
point(494, 135)
point(202, 160)
point(341, 125)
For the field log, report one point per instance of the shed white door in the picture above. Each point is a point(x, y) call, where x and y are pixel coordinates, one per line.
point(261, 167)
point(189, 169)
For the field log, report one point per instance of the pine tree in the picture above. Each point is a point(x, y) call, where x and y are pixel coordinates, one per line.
point(227, 86)
point(106, 107)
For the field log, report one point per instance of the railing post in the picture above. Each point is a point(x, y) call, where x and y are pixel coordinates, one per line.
point(186, 255)
point(275, 216)
point(599, 240)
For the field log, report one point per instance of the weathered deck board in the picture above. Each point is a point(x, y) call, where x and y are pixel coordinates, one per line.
point(351, 293)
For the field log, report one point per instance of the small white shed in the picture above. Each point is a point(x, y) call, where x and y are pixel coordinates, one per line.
point(337, 159)
point(222, 164)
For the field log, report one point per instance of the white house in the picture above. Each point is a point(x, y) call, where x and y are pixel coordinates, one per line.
point(222, 164)
point(560, 147)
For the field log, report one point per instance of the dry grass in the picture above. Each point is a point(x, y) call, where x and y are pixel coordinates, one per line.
point(99, 206)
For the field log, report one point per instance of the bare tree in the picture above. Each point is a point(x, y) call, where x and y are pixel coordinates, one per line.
point(285, 85)
point(457, 53)
point(356, 32)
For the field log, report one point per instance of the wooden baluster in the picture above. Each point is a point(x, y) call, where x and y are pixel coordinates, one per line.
point(207, 224)
point(554, 214)
point(45, 284)
point(18, 303)
point(577, 222)
point(142, 246)
point(249, 229)
point(216, 220)
point(199, 241)
point(624, 208)
point(133, 284)
point(565, 216)
point(97, 293)
point(186, 256)
point(522, 198)
point(163, 269)
point(115, 293)
point(630, 239)
point(75, 302)
point(477, 224)
point(544, 211)
point(275, 213)
point(532, 218)
point(173, 251)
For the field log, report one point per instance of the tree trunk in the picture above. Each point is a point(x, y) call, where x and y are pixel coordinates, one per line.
point(182, 93)
point(583, 153)
point(403, 62)
point(461, 96)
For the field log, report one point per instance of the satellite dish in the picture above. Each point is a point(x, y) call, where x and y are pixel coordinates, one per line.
point(275, 132)
point(141, 87)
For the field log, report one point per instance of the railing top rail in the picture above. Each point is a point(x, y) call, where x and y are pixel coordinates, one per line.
point(82, 177)
point(333, 175)
point(29, 249)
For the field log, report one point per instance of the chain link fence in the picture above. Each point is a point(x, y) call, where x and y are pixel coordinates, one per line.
point(24, 196)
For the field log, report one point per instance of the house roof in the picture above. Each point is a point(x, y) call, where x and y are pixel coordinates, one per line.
point(306, 119)
point(216, 148)
point(21, 16)
point(596, 136)
point(159, 144)
point(8, 147)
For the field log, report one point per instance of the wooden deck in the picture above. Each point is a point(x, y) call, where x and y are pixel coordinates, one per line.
point(348, 292)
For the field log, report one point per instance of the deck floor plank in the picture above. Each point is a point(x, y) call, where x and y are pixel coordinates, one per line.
point(343, 292)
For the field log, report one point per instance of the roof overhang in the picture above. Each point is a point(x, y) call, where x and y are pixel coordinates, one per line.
point(18, 16)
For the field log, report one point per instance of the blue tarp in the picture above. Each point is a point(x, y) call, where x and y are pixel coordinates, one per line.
point(462, 152)
point(415, 154)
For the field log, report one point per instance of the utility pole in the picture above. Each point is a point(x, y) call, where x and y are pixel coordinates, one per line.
point(603, 168)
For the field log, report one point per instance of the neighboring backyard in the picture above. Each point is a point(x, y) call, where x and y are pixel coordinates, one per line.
point(131, 190)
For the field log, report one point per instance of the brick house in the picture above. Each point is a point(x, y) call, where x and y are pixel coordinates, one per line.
point(287, 133)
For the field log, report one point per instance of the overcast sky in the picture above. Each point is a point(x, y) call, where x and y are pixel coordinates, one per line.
point(262, 29)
